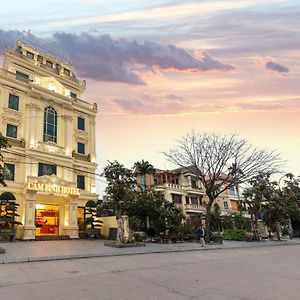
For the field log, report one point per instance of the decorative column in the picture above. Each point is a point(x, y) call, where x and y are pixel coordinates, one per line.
point(92, 137)
point(68, 134)
point(29, 221)
point(71, 223)
point(32, 128)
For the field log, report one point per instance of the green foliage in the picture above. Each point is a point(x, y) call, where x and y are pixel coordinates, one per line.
point(227, 222)
point(8, 213)
point(235, 235)
point(139, 236)
point(141, 205)
point(90, 216)
point(120, 186)
point(215, 218)
point(142, 168)
point(3, 145)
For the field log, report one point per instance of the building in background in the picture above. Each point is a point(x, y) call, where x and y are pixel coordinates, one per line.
point(182, 187)
point(51, 163)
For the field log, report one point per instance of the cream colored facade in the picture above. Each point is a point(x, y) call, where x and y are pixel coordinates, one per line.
point(183, 188)
point(46, 89)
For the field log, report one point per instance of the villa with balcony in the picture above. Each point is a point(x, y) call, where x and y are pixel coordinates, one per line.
point(182, 187)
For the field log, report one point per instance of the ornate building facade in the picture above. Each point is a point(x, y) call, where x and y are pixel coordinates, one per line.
point(50, 166)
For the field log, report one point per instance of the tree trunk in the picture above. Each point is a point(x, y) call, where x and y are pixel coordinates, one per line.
point(207, 214)
point(278, 231)
point(120, 231)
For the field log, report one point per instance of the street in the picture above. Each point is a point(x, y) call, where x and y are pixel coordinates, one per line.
point(250, 273)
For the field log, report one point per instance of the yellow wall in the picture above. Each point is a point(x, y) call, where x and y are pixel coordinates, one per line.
point(108, 222)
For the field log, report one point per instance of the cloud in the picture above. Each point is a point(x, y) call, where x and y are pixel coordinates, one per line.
point(151, 104)
point(269, 64)
point(102, 57)
point(273, 66)
point(154, 104)
point(8, 37)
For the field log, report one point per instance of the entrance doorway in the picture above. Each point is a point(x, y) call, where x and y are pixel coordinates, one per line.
point(47, 219)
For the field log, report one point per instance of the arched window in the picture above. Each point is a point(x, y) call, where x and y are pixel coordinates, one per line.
point(50, 125)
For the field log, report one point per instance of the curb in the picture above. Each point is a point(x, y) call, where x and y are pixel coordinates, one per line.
point(93, 255)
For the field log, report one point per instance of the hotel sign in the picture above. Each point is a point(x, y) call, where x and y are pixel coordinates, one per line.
point(52, 188)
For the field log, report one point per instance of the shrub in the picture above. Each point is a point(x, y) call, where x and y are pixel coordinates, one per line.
point(235, 235)
point(139, 236)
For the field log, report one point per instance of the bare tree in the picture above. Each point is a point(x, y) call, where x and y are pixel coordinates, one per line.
point(221, 162)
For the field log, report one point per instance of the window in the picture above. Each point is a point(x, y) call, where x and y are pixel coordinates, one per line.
point(50, 125)
point(80, 182)
point(80, 148)
point(176, 198)
point(11, 131)
point(67, 72)
point(13, 102)
point(46, 169)
point(225, 204)
point(194, 183)
point(49, 64)
point(80, 123)
point(73, 95)
point(39, 58)
point(194, 200)
point(30, 55)
point(22, 77)
point(187, 199)
point(9, 172)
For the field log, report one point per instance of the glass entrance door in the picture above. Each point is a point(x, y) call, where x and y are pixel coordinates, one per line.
point(47, 219)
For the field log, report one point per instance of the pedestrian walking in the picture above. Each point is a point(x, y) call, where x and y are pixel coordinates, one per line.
point(201, 235)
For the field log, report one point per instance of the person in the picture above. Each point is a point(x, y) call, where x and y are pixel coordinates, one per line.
point(201, 235)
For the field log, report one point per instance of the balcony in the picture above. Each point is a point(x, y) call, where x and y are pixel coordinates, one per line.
point(169, 185)
point(81, 156)
point(86, 104)
point(194, 208)
point(16, 143)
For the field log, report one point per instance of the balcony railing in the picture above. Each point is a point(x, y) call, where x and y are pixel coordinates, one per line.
point(194, 207)
point(16, 143)
point(81, 156)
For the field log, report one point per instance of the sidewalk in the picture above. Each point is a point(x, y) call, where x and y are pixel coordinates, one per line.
point(29, 251)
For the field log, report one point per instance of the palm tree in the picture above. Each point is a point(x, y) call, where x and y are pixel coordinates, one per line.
point(143, 168)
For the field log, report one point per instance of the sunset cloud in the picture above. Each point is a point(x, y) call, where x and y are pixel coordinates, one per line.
point(151, 104)
point(269, 64)
point(102, 57)
point(273, 66)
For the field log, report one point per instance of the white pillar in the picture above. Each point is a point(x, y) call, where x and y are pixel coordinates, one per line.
point(68, 134)
point(71, 223)
point(92, 137)
point(29, 225)
point(33, 124)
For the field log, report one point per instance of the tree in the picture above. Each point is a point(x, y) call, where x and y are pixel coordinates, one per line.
point(278, 204)
point(120, 191)
point(255, 197)
point(3, 144)
point(8, 213)
point(143, 168)
point(221, 162)
point(282, 203)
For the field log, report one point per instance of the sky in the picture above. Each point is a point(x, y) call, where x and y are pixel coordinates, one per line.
point(159, 69)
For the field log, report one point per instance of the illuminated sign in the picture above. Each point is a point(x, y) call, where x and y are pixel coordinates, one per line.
point(52, 188)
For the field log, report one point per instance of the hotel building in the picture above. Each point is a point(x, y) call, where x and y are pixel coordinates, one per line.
point(50, 166)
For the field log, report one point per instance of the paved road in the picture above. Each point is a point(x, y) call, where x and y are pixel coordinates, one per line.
point(248, 273)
